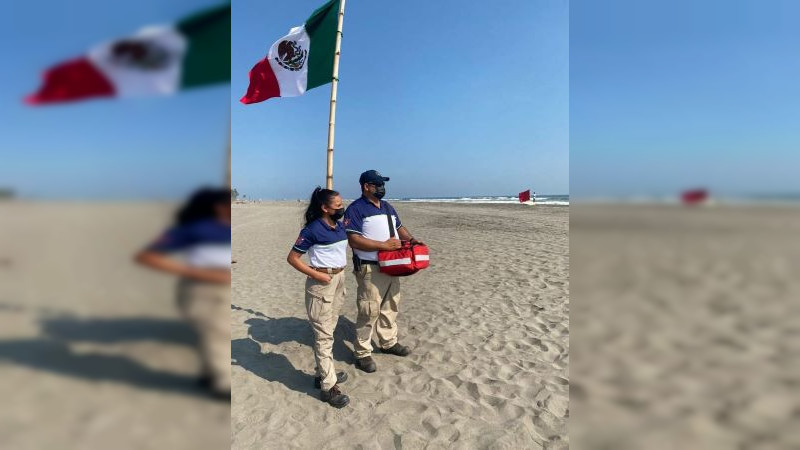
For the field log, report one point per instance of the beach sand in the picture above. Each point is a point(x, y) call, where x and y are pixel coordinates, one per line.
point(684, 327)
point(488, 324)
point(93, 354)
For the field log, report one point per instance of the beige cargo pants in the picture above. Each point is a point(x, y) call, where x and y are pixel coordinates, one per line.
point(207, 307)
point(323, 303)
point(378, 298)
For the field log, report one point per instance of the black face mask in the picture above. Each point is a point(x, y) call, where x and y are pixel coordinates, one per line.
point(380, 191)
point(338, 214)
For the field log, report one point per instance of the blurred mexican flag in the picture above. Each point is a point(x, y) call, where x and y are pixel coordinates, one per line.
point(157, 60)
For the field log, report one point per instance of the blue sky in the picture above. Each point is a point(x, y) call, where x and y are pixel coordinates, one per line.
point(669, 95)
point(159, 147)
point(448, 98)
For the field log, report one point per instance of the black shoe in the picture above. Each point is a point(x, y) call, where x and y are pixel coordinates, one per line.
point(223, 396)
point(205, 382)
point(366, 364)
point(397, 350)
point(334, 397)
point(341, 377)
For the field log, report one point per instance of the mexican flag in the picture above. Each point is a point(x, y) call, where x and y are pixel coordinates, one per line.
point(299, 61)
point(157, 60)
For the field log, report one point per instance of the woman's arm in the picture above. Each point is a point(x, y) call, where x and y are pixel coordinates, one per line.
point(295, 260)
point(160, 261)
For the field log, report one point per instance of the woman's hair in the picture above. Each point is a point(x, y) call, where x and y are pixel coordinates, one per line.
point(318, 198)
point(201, 205)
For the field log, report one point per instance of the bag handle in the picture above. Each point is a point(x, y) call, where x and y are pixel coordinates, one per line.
point(389, 221)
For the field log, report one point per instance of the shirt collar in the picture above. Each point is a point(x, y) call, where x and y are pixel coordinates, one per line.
point(380, 202)
point(328, 227)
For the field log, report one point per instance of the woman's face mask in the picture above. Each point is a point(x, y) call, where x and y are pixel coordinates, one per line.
point(337, 214)
point(335, 209)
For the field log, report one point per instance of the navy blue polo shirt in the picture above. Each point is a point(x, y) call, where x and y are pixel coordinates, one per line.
point(326, 246)
point(364, 218)
point(204, 243)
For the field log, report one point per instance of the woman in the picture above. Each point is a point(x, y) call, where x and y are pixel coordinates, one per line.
point(324, 239)
point(202, 232)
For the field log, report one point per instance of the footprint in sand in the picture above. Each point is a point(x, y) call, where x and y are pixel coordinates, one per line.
point(558, 405)
point(536, 342)
point(556, 380)
point(474, 390)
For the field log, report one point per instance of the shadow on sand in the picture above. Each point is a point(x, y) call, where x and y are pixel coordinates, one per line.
point(272, 366)
point(171, 331)
point(53, 352)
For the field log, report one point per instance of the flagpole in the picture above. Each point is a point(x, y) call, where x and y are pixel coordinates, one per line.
point(228, 151)
point(334, 85)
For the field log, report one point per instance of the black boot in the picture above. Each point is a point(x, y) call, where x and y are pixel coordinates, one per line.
point(366, 364)
point(397, 350)
point(341, 377)
point(334, 397)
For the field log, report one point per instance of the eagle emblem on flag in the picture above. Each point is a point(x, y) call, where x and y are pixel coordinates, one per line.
point(291, 56)
point(140, 54)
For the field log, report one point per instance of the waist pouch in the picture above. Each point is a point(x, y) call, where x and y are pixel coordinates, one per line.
point(407, 260)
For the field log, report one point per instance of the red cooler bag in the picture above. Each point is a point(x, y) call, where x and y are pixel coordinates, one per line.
point(407, 260)
point(421, 256)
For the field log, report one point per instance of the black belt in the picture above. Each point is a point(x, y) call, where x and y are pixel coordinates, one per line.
point(357, 262)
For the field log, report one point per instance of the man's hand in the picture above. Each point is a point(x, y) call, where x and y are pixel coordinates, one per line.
point(405, 235)
point(392, 244)
point(368, 245)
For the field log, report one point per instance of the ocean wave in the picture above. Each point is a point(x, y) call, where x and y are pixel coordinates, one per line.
point(551, 200)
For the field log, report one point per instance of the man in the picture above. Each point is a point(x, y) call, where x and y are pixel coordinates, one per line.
point(378, 295)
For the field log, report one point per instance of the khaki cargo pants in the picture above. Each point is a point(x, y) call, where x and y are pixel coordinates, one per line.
point(323, 303)
point(377, 299)
point(207, 307)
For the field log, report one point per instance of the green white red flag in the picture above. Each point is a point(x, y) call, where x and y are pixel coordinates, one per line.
point(157, 60)
point(299, 61)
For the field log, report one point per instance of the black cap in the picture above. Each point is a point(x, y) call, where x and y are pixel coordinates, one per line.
point(372, 176)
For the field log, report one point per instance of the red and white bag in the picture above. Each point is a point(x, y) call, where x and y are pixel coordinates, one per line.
point(407, 260)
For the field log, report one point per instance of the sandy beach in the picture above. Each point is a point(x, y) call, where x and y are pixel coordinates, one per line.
point(93, 353)
point(684, 327)
point(488, 322)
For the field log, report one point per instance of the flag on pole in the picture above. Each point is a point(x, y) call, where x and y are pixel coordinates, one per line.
point(299, 61)
point(157, 60)
point(694, 196)
point(525, 196)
